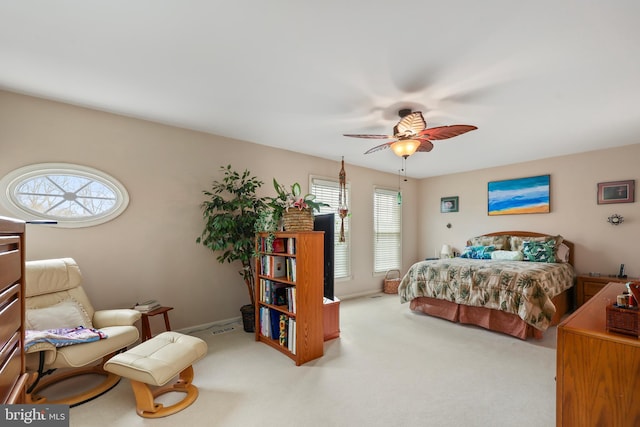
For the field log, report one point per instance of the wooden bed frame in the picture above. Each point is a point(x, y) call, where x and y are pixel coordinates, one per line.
point(491, 319)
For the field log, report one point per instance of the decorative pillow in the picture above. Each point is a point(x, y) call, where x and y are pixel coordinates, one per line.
point(507, 255)
point(478, 252)
point(562, 253)
point(539, 251)
point(498, 242)
point(517, 242)
point(66, 314)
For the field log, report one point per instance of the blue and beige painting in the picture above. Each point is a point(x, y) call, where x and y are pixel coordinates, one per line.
point(519, 196)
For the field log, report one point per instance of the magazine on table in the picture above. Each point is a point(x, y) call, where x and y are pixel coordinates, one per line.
point(147, 305)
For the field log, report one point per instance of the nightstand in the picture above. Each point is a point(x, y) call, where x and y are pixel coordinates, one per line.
point(587, 286)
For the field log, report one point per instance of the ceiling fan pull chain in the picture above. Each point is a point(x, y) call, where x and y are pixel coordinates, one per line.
point(404, 168)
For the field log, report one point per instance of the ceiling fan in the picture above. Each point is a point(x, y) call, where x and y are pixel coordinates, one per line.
point(411, 134)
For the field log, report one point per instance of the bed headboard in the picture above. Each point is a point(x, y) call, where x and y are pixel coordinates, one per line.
point(534, 234)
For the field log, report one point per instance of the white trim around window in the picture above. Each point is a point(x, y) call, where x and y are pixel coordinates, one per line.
point(387, 230)
point(327, 190)
point(72, 195)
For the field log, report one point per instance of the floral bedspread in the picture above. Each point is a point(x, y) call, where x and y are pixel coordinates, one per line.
point(519, 287)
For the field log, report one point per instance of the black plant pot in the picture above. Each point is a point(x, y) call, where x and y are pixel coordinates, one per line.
point(248, 317)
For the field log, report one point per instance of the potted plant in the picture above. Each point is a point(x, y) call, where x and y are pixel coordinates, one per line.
point(271, 219)
point(230, 214)
point(291, 198)
point(291, 201)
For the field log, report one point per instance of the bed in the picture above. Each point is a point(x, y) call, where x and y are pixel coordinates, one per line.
point(513, 282)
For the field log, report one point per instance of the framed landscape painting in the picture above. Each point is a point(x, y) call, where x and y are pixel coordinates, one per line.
point(519, 196)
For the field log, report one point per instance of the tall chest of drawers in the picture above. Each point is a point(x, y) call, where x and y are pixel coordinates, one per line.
point(12, 363)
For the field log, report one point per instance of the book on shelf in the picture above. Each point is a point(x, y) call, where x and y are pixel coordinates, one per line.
point(273, 266)
point(291, 246)
point(272, 292)
point(291, 269)
point(291, 342)
point(147, 305)
point(274, 325)
point(274, 328)
point(280, 245)
point(291, 299)
point(279, 266)
point(265, 322)
point(284, 329)
point(280, 294)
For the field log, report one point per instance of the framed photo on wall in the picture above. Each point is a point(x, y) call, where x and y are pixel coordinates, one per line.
point(449, 204)
point(616, 192)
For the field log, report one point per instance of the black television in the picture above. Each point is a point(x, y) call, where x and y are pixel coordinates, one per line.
point(326, 223)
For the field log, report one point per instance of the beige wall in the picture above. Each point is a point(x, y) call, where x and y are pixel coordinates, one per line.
point(575, 214)
point(150, 250)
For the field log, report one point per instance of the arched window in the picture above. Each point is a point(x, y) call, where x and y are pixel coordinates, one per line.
point(72, 195)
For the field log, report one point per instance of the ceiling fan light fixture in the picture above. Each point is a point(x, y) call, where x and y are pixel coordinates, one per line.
point(405, 147)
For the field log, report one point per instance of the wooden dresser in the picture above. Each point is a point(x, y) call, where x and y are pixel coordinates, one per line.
point(12, 363)
point(587, 286)
point(598, 373)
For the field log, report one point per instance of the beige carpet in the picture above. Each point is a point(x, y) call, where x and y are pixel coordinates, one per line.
point(390, 367)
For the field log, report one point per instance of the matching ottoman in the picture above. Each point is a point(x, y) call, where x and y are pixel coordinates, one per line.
point(155, 362)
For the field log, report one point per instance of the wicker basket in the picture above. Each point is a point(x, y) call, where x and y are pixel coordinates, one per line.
point(623, 320)
point(391, 283)
point(248, 317)
point(298, 220)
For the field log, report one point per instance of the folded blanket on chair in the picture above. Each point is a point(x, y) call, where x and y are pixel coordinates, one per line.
point(63, 337)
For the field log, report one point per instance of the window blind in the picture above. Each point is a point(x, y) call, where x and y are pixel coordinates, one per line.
point(328, 191)
point(387, 230)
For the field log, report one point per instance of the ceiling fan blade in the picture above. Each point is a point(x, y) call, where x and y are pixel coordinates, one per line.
point(444, 132)
point(357, 135)
point(425, 146)
point(410, 124)
point(379, 147)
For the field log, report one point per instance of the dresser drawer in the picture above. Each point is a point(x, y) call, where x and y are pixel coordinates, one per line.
point(591, 288)
point(10, 264)
point(9, 313)
point(10, 367)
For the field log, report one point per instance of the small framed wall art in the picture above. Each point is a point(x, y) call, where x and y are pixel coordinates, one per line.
point(616, 192)
point(449, 204)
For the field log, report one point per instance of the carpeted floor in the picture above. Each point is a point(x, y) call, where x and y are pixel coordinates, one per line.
point(390, 367)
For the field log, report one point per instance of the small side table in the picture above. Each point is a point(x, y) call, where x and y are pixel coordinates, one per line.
point(331, 319)
point(146, 329)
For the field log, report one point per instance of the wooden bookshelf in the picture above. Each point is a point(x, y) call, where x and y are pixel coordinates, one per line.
point(289, 289)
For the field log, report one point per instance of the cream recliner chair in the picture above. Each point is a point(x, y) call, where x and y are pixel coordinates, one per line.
point(55, 299)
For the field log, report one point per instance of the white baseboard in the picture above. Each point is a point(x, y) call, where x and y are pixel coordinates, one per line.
point(205, 326)
point(358, 295)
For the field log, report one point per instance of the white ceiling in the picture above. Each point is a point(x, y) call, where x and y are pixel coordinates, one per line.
point(539, 78)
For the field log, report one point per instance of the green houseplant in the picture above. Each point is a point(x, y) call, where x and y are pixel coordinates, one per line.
point(230, 214)
point(292, 199)
point(271, 218)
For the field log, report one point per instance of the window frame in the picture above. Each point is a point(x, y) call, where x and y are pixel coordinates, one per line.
point(393, 196)
point(339, 247)
point(10, 182)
